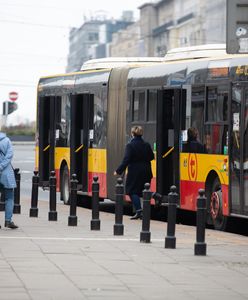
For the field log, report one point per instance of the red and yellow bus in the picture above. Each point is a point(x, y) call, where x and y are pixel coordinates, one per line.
point(84, 121)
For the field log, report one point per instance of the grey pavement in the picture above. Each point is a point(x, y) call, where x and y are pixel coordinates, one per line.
point(50, 260)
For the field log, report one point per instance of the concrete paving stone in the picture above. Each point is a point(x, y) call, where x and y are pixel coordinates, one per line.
point(137, 280)
point(9, 279)
point(106, 293)
point(124, 267)
point(80, 266)
point(95, 281)
point(59, 247)
point(161, 293)
point(109, 297)
point(10, 295)
point(46, 281)
point(221, 294)
point(31, 265)
point(56, 294)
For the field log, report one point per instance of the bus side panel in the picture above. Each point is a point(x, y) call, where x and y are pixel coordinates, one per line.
point(194, 170)
point(97, 166)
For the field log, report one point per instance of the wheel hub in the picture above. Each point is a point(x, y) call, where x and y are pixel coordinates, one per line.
point(215, 205)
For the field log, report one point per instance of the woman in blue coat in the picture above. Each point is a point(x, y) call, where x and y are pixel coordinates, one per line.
point(137, 158)
point(7, 178)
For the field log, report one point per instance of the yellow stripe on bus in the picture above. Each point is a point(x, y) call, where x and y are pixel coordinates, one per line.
point(80, 147)
point(47, 147)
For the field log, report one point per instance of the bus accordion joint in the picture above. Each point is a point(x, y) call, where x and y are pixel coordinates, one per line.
point(168, 152)
point(47, 147)
point(79, 148)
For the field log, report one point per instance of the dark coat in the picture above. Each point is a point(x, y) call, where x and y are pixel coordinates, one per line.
point(137, 158)
point(194, 146)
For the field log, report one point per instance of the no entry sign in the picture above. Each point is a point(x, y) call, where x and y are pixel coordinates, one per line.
point(13, 96)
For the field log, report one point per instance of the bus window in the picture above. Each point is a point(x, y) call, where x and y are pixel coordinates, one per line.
point(216, 138)
point(217, 98)
point(197, 109)
point(151, 105)
point(138, 107)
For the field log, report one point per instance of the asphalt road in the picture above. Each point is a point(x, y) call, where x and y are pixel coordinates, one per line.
point(24, 159)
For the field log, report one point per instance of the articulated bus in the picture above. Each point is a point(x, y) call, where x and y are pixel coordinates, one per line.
point(84, 121)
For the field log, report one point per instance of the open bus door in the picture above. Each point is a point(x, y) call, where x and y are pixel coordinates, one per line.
point(81, 123)
point(46, 126)
point(238, 150)
point(171, 116)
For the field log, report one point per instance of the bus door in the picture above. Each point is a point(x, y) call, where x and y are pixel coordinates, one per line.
point(46, 137)
point(81, 126)
point(238, 128)
point(171, 112)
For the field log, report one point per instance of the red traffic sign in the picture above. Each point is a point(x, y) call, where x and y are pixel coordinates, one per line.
point(13, 96)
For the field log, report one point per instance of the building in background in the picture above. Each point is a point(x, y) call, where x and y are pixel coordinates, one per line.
point(92, 39)
point(163, 25)
point(127, 42)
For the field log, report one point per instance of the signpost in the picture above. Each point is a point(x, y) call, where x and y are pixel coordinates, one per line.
point(13, 96)
point(9, 106)
point(237, 26)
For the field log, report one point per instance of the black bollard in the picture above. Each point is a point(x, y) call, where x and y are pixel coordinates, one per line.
point(33, 212)
point(2, 200)
point(118, 226)
point(200, 245)
point(52, 214)
point(145, 234)
point(170, 240)
point(95, 222)
point(72, 219)
point(17, 206)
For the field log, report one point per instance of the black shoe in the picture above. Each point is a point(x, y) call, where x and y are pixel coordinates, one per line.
point(138, 215)
point(10, 224)
point(158, 198)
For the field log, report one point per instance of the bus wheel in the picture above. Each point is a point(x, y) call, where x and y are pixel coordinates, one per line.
point(216, 208)
point(65, 185)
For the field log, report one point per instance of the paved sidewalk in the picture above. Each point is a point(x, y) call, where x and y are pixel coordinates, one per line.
point(49, 260)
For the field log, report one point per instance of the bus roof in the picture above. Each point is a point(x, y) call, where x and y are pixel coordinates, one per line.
point(201, 51)
point(115, 62)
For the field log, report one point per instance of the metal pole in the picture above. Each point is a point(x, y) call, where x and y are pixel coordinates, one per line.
point(118, 226)
point(170, 240)
point(17, 206)
point(145, 234)
point(95, 222)
point(52, 214)
point(33, 212)
point(72, 219)
point(200, 245)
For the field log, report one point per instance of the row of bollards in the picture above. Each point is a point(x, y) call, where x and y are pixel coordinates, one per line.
point(118, 228)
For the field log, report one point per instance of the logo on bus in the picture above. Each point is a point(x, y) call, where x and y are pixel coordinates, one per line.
point(192, 166)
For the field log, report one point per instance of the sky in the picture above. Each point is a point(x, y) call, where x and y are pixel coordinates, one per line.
point(34, 42)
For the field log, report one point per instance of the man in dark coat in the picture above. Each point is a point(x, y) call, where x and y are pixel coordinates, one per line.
point(193, 145)
point(137, 158)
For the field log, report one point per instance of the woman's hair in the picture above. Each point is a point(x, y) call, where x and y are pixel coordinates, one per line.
point(192, 133)
point(137, 131)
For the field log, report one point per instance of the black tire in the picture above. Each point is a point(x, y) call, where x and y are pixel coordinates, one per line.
point(218, 220)
point(65, 185)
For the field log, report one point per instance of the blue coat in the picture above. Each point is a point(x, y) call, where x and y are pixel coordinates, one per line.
point(7, 176)
point(137, 158)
